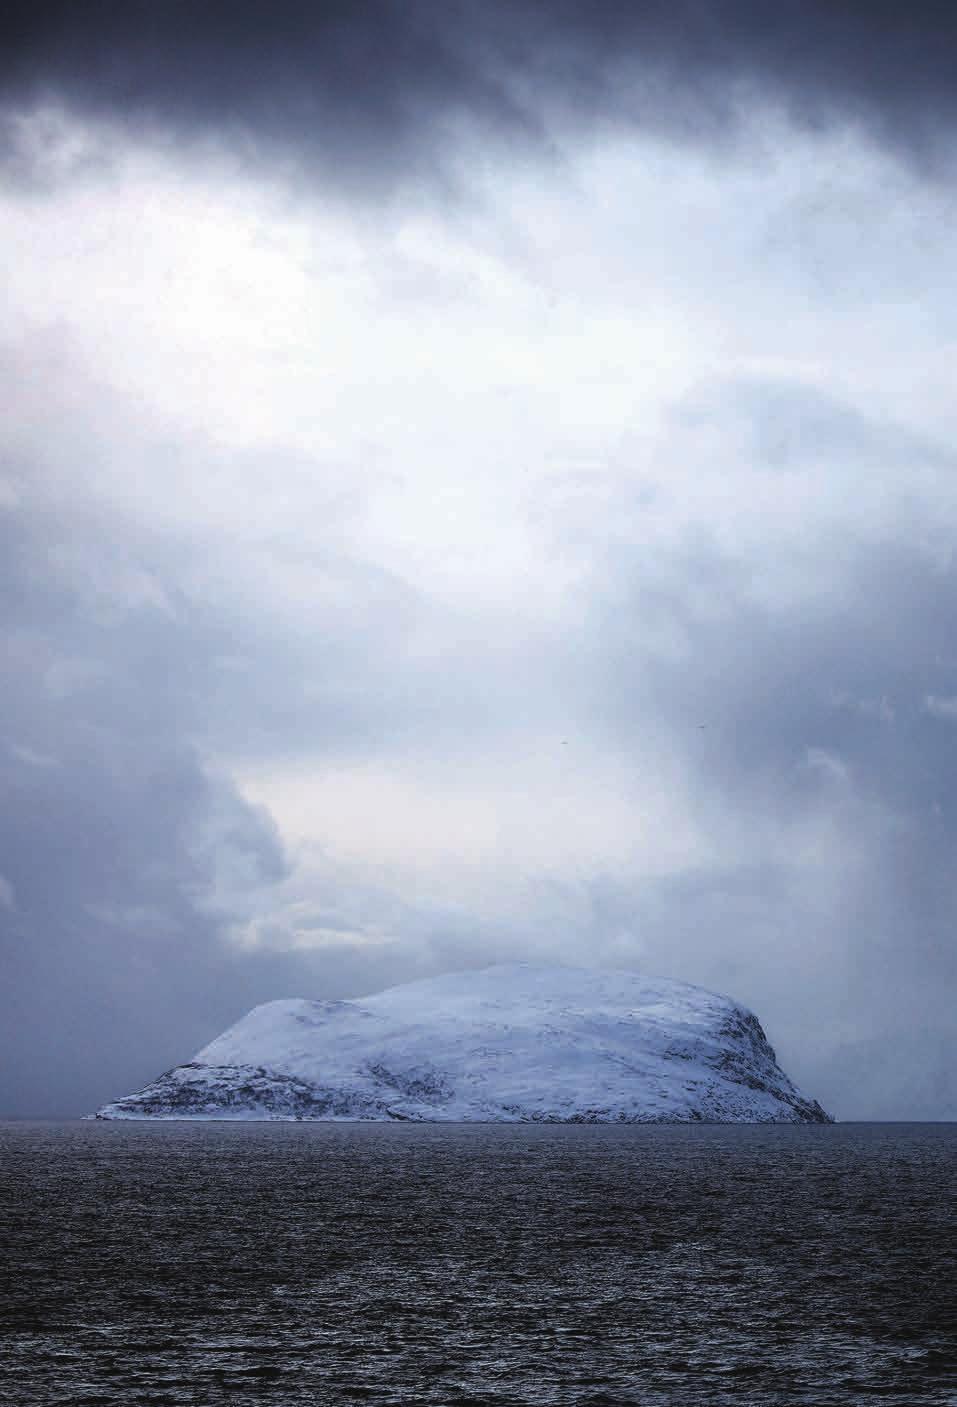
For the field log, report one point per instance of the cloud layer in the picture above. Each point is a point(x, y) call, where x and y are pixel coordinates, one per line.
point(375, 92)
point(529, 536)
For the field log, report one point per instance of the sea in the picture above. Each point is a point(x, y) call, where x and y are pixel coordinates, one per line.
point(488, 1265)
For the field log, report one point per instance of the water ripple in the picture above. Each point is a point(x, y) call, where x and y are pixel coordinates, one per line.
point(465, 1266)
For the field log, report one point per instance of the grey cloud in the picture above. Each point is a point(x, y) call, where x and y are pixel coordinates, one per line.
point(824, 718)
point(125, 857)
point(791, 427)
point(375, 90)
point(135, 654)
point(941, 707)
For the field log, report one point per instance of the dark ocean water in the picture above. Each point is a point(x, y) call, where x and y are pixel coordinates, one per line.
point(429, 1264)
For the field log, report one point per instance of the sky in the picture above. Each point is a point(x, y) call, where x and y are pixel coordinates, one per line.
point(477, 483)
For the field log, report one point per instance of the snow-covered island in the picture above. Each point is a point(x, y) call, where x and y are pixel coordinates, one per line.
point(510, 1043)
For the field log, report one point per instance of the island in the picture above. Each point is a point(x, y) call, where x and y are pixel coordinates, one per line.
point(509, 1043)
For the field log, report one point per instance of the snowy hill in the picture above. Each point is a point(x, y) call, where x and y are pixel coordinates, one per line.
point(507, 1043)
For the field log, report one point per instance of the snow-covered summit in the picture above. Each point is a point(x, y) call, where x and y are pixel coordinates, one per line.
point(507, 1043)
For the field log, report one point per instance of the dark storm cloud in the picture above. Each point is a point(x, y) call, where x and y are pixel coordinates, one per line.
point(370, 88)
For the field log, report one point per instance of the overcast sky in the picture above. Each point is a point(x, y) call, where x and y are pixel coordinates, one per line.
point(477, 482)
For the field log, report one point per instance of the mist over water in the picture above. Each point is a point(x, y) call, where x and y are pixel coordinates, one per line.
point(298, 1264)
